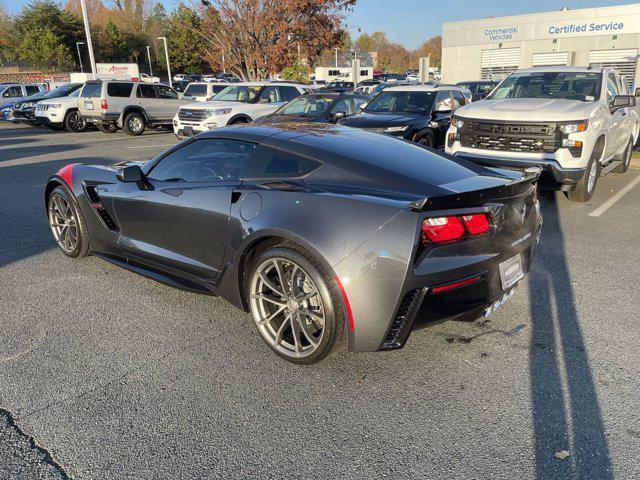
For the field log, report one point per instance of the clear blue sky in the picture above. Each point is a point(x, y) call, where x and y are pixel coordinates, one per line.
point(410, 22)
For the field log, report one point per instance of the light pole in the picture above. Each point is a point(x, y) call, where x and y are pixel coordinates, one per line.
point(149, 56)
point(166, 56)
point(224, 70)
point(87, 32)
point(336, 49)
point(80, 56)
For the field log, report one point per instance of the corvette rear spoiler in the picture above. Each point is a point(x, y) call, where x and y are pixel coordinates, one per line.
point(530, 176)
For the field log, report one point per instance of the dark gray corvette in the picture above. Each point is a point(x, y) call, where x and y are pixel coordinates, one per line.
point(329, 236)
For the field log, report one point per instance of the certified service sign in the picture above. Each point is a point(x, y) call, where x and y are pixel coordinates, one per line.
point(596, 28)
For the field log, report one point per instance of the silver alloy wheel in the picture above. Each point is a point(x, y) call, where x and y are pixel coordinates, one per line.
point(591, 181)
point(63, 223)
point(287, 307)
point(76, 122)
point(135, 124)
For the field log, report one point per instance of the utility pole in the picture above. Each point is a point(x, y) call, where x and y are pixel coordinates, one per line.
point(85, 19)
point(166, 56)
point(149, 57)
point(80, 56)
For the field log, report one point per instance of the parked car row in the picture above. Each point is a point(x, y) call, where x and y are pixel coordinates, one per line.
point(580, 122)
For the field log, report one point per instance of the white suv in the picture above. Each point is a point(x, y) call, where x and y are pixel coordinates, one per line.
point(238, 103)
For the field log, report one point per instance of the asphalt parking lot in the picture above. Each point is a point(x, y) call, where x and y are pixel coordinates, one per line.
point(106, 374)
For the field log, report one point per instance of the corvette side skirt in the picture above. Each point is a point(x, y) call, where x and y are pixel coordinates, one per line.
point(157, 275)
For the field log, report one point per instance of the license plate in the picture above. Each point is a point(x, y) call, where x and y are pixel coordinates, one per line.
point(88, 105)
point(511, 271)
point(188, 131)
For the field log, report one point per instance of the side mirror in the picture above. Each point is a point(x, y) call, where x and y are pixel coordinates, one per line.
point(338, 116)
point(130, 174)
point(622, 101)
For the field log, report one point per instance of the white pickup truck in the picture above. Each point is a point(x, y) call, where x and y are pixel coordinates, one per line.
point(576, 123)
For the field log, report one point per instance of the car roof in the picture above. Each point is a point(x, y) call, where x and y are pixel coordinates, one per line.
point(357, 159)
point(562, 69)
point(422, 88)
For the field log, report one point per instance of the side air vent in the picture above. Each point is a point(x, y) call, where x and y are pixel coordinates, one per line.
point(403, 321)
point(96, 203)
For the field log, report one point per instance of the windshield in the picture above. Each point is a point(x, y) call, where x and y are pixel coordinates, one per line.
point(238, 93)
point(562, 85)
point(408, 102)
point(63, 91)
point(307, 106)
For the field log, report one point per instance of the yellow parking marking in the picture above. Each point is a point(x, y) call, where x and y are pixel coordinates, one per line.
point(609, 203)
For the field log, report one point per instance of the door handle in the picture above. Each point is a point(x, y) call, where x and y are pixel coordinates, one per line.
point(174, 192)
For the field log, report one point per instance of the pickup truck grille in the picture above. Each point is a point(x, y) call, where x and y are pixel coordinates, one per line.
point(512, 137)
point(191, 115)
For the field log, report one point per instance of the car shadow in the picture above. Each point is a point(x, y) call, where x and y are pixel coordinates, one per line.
point(566, 412)
point(25, 232)
point(8, 154)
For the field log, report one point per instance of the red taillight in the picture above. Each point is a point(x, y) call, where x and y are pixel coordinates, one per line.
point(447, 229)
point(104, 105)
point(442, 229)
point(477, 224)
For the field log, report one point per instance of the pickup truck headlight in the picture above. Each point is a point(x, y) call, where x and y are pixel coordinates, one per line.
point(218, 111)
point(573, 127)
point(402, 128)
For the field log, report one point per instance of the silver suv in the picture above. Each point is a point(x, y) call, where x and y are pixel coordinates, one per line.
point(131, 106)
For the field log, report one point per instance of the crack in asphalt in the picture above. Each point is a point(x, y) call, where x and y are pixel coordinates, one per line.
point(39, 450)
point(111, 382)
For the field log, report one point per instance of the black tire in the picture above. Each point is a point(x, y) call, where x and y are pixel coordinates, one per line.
point(426, 139)
point(83, 245)
point(74, 123)
point(108, 128)
point(626, 159)
point(134, 124)
point(583, 192)
point(239, 121)
point(334, 335)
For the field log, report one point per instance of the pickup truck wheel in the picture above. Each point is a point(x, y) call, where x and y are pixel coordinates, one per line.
point(108, 128)
point(626, 159)
point(134, 124)
point(587, 184)
point(74, 123)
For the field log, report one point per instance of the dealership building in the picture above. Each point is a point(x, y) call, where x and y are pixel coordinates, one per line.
point(491, 48)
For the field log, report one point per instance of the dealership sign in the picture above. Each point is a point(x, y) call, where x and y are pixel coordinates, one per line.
point(596, 28)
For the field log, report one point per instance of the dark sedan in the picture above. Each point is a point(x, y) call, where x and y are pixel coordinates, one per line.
point(24, 111)
point(420, 113)
point(318, 107)
point(328, 236)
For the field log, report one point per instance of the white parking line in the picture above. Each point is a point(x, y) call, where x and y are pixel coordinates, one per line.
point(609, 203)
point(151, 146)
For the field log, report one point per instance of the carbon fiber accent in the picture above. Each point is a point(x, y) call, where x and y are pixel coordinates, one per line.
point(403, 322)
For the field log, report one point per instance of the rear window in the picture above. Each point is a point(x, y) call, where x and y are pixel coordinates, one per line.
point(197, 90)
point(91, 90)
point(119, 89)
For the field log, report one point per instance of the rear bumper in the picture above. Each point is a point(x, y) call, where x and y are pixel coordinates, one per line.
point(102, 118)
point(390, 286)
point(553, 174)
